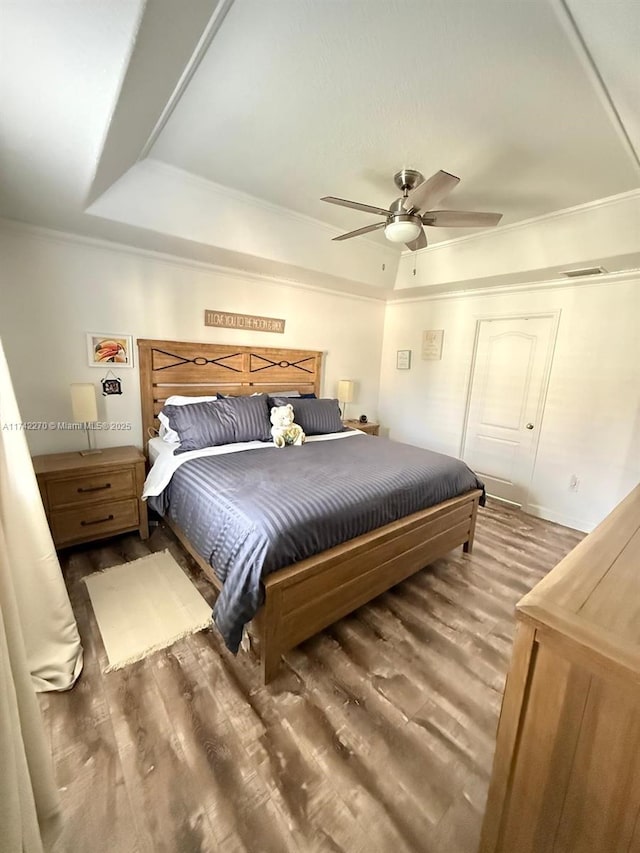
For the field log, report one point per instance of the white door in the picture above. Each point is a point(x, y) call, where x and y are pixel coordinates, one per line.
point(508, 385)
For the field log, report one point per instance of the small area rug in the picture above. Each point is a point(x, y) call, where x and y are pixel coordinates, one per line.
point(144, 606)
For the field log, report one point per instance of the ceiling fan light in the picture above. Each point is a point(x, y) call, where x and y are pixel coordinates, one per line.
point(402, 230)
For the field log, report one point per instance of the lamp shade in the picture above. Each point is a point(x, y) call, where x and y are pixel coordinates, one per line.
point(83, 402)
point(345, 390)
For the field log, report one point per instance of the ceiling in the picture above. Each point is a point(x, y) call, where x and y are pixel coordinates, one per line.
point(279, 102)
point(299, 99)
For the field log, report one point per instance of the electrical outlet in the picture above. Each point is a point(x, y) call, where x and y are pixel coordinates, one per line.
point(574, 482)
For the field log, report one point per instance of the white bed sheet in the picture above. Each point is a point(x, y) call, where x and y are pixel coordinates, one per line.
point(165, 464)
point(156, 446)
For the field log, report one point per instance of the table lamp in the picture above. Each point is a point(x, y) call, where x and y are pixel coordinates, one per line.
point(85, 409)
point(345, 395)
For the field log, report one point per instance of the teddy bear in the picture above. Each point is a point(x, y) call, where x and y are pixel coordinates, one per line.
point(284, 431)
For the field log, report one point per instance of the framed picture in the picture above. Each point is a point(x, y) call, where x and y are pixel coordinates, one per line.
point(403, 359)
point(432, 344)
point(104, 350)
point(111, 386)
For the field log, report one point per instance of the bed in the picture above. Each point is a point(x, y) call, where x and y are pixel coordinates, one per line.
point(301, 598)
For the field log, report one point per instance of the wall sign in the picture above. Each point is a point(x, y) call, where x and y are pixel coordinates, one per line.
point(225, 320)
point(432, 344)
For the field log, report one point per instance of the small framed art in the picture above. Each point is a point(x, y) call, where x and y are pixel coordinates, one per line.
point(104, 349)
point(403, 359)
point(432, 344)
point(111, 386)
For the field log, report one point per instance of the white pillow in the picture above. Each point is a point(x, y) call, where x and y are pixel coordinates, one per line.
point(178, 400)
point(165, 432)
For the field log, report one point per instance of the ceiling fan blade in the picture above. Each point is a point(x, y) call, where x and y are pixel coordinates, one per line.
point(360, 231)
point(367, 208)
point(431, 191)
point(419, 243)
point(460, 218)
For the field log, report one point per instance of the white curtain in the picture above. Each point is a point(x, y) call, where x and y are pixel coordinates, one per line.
point(39, 642)
point(29, 805)
point(51, 638)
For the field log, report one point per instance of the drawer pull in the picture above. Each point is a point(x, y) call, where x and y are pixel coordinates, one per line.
point(94, 488)
point(97, 521)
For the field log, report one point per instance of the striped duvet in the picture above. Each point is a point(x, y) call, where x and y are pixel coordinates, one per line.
point(254, 512)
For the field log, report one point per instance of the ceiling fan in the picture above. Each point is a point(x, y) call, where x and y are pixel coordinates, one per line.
point(403, 220)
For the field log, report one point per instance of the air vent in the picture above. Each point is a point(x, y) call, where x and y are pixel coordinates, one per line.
point(584, 271)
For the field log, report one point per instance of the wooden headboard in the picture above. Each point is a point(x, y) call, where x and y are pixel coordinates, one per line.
point(192, 369)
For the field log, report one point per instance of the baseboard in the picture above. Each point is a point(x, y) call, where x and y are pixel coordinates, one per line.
point(504, 501)
point(559, 518)
point(548, 514)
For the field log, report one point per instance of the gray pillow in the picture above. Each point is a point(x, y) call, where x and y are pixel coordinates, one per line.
point(221, 422)
point(201, 425)
point(251, 417)
point(316, 417)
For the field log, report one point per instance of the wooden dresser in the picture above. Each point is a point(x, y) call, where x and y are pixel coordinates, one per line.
point(566, 774)
point(94, 496)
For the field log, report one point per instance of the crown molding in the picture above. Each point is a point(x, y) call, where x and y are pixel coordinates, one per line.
point(501, 289)
point(206, 185)
point(386, 296)
point(607, 201)
point(581, 49)
point(215, 22)
point(114, 104)
point(67, 237)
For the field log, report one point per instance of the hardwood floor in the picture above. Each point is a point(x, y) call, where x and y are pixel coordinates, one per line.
point(377, 735)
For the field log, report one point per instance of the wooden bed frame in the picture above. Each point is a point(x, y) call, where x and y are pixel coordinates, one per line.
point(304, 598)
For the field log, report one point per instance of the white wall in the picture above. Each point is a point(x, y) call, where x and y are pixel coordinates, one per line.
point(591, 424)
point(53, 290)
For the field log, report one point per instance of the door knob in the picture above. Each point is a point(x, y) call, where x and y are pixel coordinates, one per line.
point(529, 426)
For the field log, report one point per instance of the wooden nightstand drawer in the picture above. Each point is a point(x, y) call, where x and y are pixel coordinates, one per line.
point(93, 522)
point(92, 496)
point(100, 486)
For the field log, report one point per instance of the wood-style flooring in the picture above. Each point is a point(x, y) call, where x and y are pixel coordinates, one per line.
point(377, 735)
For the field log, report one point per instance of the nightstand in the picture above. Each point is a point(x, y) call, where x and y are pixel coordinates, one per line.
point(90, 497)
point(369, 428)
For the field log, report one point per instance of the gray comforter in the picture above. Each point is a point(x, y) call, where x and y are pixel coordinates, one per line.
point(254, 512)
